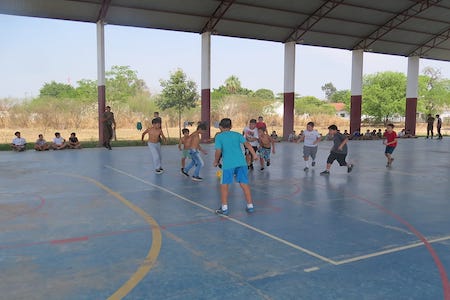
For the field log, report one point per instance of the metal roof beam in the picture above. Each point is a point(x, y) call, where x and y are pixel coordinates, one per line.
point(431, 44)
point(103, 10)
point(312, 19)
point(217, 15)
point(394, 22)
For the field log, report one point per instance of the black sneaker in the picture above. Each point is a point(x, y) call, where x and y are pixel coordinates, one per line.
point(305, 169)
point(220, 211)
point(197, 178)
point(268, 163)
point(313, 164)
point(158, 171)
point(262, 169)
point(349, 168)
point(184, 172)
point(326, 172)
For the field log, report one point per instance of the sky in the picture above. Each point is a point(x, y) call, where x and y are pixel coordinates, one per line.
point(35, 51)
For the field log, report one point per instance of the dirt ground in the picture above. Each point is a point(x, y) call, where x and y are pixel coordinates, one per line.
point(30, 134)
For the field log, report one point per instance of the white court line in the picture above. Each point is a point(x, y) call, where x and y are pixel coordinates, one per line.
point(271, 236)
point(392, 250)
point(287, 243)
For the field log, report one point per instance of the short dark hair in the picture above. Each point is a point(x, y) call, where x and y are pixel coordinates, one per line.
point(310, 123)
point(390, 125)
point(253, 121)
point(332, 127)
point(437, 116)
point(156, 121)
point(57, 133)
point(201, 126)
point(17, 132)
point(184, 130)
point(225, 123)
point(73, 133)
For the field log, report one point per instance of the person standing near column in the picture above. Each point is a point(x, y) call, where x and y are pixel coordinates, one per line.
point(108, 123)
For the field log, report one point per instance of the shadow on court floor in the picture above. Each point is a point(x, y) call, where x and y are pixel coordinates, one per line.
point(93, 224)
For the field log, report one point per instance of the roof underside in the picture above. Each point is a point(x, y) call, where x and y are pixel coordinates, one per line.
point(400, 27)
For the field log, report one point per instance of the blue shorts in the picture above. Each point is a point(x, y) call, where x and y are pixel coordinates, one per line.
point(389, 149)
point(240, 172)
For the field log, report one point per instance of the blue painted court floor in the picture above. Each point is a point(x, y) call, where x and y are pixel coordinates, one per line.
point(98, 224)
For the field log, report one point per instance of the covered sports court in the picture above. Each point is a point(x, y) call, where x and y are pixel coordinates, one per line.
point(97, 224)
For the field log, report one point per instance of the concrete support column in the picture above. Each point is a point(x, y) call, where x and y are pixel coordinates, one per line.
point(206, 84)
point(289, 89)
point(356, 92)
point(411, 94)
point(101, 77)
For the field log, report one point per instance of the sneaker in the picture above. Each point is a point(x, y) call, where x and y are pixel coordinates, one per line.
point(262, 169)
point(349, 168)
point(326, 172)
point(197, 178)
point(220, 211)
point(250, 167)
point(158, 171)
point(250, 210)
point(184, 172)
point(305, 169)
point(313, 163)
point(161, 169)
point(268, 163)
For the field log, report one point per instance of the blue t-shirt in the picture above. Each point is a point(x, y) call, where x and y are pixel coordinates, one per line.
point(230, 144)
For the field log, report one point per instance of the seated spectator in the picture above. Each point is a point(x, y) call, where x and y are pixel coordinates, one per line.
point(346, 133)
point(59, 142)
point(292, 137)
point(18, 143)
point(73, 142)
point(274, 136)
point(379, 134)
point(401, 134)
point(41, 144)
point(408, 134)
point(355, 136)
point(367, 135)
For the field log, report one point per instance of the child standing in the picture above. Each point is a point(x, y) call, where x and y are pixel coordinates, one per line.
point(194, 152)
point(185, 141)
point(310, 138)
point(155, 135)
point(228, 145)
point(266, 144)
point(338, 151)
point(391, 142)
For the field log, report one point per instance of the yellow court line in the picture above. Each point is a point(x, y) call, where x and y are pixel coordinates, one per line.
point(152, 255)
point(271, 236)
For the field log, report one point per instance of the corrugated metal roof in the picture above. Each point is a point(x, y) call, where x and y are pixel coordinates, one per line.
point(400, 27)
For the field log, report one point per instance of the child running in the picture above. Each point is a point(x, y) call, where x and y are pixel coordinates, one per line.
point(338, 151)
point(186, 142)
point(155, 135)
point(251, 135)
point(266, 144)
point(310, 138)
point(228, 145)
point(194, 152)
point(390, 142)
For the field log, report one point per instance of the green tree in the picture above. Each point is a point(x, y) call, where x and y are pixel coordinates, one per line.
point(87, 90)
point(178, 93)
point(122, 82)
point(57, 90)
point(264, 94)
point(312, 105)
point(384, 95)
point(329, 90)
point(434, 92)
point(341, 96)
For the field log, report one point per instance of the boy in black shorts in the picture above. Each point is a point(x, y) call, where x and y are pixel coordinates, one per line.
point(338, 151)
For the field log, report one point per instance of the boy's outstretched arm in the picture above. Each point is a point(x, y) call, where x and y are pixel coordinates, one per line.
point(252, 151)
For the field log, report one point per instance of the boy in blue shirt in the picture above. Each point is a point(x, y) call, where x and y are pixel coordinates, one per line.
point(228, 146)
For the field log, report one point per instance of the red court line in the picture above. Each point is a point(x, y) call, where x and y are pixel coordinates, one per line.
point(70, 240)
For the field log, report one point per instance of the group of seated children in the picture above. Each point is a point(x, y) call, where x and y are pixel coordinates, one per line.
point(58, 143)
point(369, 135)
